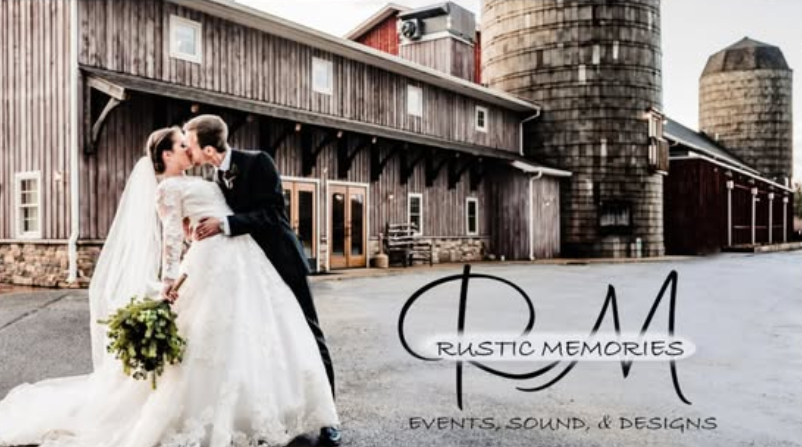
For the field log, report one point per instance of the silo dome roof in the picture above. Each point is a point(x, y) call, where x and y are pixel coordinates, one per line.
point(746, 54)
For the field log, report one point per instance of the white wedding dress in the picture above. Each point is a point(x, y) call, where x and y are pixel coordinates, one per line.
point(251, 375)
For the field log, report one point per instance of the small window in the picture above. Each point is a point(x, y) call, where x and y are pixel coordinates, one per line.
point(322, 76)
point(472, 216)
point(414, 100)
point(596, 54)
point(481, 119)
point(583, 74)
point(415, 212)
point(29, 204)
point(615, 217)
point(615, 50)
point(655, 126)
point(185, 39)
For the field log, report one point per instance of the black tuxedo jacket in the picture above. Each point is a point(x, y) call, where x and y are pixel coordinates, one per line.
point(256, 198)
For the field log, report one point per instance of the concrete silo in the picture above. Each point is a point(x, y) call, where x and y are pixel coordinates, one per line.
point(745, 104)
point(595, 67)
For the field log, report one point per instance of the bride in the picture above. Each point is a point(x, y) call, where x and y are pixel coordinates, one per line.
point(251, 374)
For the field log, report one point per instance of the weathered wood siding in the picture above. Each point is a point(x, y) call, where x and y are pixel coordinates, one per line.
point(34, 109)
point(448, 55)
point(512, 213)
point(132, 37)
point(122, 141)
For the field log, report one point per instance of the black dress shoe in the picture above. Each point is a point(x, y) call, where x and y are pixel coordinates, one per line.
point(330, 437)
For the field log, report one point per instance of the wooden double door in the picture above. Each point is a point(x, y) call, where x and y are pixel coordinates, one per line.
point(300, 200)
point(348, 232)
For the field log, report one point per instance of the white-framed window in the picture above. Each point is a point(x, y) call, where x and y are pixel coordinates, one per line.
point(415, 211)
point(414, 100)
point(596, 54)
point(186, 39)
point(28, 201)
point(655, 126)
point(583, 74)
point(322, 76)
point(616, 46)
point(481, 119)
point(472, 216)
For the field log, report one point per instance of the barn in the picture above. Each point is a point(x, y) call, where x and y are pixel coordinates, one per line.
point(362, 138)
point(714, 201)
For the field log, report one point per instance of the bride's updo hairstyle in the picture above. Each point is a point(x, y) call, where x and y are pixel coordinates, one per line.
point(158, 143)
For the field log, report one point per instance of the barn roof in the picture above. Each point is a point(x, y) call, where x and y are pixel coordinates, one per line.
point(701, 143)
point(120, 82)
point(271, 24)
point(388, 10)
point(746, 54)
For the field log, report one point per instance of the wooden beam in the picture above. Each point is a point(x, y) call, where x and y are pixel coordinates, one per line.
point(377, 163)
point(241, 120)
point(98, 124)
point(477, 173)
point(109, 88)
point(455, 171)
point(345, 158)
point(94, 121)
point(272, 146)
point(310, 154)
point(408, 168)
point(434, 166)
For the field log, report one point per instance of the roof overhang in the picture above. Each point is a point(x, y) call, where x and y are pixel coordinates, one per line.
point(268, 23)
point(160, 88)
point(707, 154)
point(534, 169)
point(696, 156)
point(389, 10)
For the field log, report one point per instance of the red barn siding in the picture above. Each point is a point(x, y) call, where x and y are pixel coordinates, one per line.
point(383, 36)
point(695, 196)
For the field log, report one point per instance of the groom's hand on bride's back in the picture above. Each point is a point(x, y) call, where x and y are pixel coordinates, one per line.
point(207, 227)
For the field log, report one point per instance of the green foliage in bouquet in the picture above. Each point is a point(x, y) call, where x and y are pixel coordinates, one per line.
point(144, 336)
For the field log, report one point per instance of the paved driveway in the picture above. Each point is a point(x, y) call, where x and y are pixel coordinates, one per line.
point(743, 312)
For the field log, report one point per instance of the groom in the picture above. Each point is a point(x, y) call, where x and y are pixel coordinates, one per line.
point(252, 188)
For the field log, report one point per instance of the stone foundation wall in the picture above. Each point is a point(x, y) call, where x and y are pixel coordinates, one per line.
point(449, 249)
point(45, 264)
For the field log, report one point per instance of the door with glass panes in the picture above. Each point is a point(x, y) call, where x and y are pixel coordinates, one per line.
point(300, 199)
point(347, 226)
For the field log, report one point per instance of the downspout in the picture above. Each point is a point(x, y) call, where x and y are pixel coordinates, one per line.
point(72, 248)
point(531, 211)
point(521, 131)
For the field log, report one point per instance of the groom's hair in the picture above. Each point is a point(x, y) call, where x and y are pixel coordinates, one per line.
point(211, 130)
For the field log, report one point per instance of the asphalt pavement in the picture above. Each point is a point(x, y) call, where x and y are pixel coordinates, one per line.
point(742, 312)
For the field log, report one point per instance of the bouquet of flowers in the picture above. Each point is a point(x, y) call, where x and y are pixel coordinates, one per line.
point(144, 336)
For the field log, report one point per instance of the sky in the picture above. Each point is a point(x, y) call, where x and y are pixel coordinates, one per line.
point(692, 31)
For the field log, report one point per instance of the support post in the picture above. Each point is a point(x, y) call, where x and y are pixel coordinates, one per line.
point(785, 219)
point(754, 213)
point(771, 218)
point(730, 186)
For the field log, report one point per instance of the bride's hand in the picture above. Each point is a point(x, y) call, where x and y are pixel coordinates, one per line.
point(168, 293)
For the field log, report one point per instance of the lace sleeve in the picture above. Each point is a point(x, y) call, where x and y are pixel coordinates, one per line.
point(168, 201)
